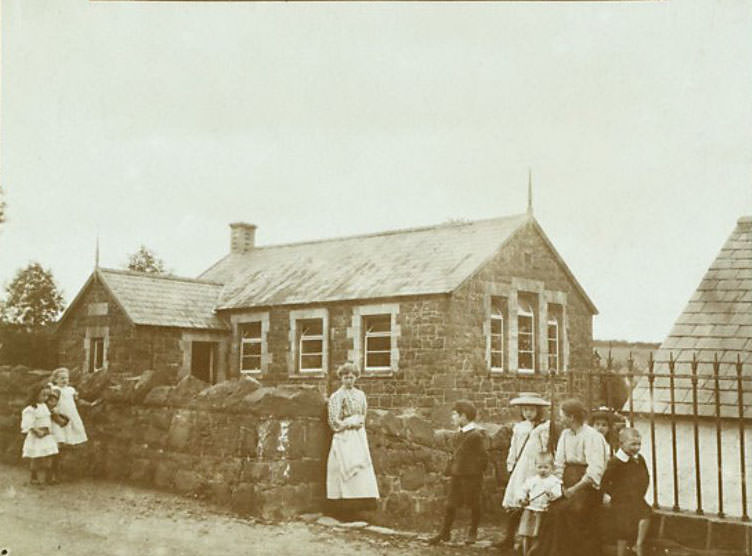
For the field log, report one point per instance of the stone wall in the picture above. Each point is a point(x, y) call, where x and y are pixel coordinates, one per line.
point(259, 450)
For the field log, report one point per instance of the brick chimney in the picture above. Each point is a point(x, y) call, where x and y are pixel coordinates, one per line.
point(242, 237)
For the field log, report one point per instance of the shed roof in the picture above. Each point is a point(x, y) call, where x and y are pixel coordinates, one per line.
point(157, 300)
point(416, 261)
point(717, 321)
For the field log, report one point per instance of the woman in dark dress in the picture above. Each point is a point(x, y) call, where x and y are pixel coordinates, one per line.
point(571, 526)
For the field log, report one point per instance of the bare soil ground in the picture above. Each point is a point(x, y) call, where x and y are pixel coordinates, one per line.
point(87, 517)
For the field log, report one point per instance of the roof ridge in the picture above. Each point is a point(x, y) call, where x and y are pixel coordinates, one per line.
point(521, 216)
point(170, 277)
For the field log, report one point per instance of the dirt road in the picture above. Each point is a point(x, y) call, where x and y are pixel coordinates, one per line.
point(104, 518)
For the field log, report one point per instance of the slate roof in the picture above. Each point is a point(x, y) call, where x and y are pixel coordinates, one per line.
point(417, 261)
point(717, 320)
point(153, 300)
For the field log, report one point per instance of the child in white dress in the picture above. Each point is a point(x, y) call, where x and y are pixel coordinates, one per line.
point(71, 432)
point(538, 492)
point(39, 444)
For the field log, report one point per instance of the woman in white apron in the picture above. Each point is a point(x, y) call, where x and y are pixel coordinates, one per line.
point(350, 479)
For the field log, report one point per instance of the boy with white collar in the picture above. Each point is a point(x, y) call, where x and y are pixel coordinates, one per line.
point(465, 470)
point(624, 485)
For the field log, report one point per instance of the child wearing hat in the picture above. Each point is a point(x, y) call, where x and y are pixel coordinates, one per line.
point(465, 470)
point(529, 438)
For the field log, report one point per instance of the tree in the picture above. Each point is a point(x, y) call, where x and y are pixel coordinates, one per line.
point(32, 299)
point(145, 260)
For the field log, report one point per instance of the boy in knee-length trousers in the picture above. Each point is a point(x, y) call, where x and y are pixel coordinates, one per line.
point(465, 470)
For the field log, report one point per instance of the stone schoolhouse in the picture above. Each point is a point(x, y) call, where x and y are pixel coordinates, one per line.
point(476, 310)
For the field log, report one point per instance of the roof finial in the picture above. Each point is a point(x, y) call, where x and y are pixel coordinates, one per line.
point(529, 192)
point(96, 253)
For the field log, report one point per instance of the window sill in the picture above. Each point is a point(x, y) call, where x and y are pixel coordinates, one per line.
point(522, 374)
point(304, 376)
point(380, 373)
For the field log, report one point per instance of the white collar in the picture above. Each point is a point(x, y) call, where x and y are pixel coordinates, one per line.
point(470, 426)
point(622, 456)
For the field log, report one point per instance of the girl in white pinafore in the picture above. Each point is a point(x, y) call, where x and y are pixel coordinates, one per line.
point(349, 471)
point(73, 432)
point(39, 444)
point(530, 437)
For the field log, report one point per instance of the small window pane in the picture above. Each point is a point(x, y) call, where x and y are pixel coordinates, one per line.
point(251, 363)
point(496, 360)
point(526, 360)
point(378, 360)
point(496, 343)
point(379, 323)
point(312, 346)
point(525, 325)
point(379, 343)
point(495, 326)
point(312, 327)
point(526, 342)
point(251, 330)
point(311, 362)
point(251, 348)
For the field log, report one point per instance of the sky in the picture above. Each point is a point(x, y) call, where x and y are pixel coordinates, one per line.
point(161, 123)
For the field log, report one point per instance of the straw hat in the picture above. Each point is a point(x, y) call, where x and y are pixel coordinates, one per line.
point(529, 398)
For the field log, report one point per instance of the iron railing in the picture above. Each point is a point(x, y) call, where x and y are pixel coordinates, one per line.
point(686, 410)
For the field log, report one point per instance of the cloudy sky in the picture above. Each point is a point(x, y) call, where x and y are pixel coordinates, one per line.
point(160, 123)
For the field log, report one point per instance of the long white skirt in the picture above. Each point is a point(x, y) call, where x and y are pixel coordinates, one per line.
point(349, 471)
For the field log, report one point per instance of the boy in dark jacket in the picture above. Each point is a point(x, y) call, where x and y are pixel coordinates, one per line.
point(465, 470)
point(624, 485)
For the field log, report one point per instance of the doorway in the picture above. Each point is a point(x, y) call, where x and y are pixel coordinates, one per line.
point(204, 361)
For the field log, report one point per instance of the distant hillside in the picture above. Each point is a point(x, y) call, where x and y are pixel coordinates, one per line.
point(620, 351)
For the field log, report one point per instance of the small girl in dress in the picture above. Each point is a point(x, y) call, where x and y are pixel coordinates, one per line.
point(537, 493)
point(71, 432)
point(39, 444)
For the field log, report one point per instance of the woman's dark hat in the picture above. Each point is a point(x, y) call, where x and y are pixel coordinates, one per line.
point(604, 413)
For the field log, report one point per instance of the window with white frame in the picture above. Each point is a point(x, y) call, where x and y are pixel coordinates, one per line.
point(250, 347)
point(525, 334)
point(496, 333)
point(377, 342)
point(96, 353)
point(553, 336)
point(310, 344)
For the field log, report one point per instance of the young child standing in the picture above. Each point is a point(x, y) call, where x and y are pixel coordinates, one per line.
point(624, 485)
point(56, 418)
point(39, 444)
point(602, 420)
point(538, 492)
point(529, 438)
point(72, 432)
point(465, 470)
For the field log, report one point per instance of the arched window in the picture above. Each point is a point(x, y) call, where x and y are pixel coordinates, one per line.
point(525, 335)
point(498, 310)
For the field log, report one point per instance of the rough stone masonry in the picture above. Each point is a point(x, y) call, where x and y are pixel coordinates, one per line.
point(261, 451)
